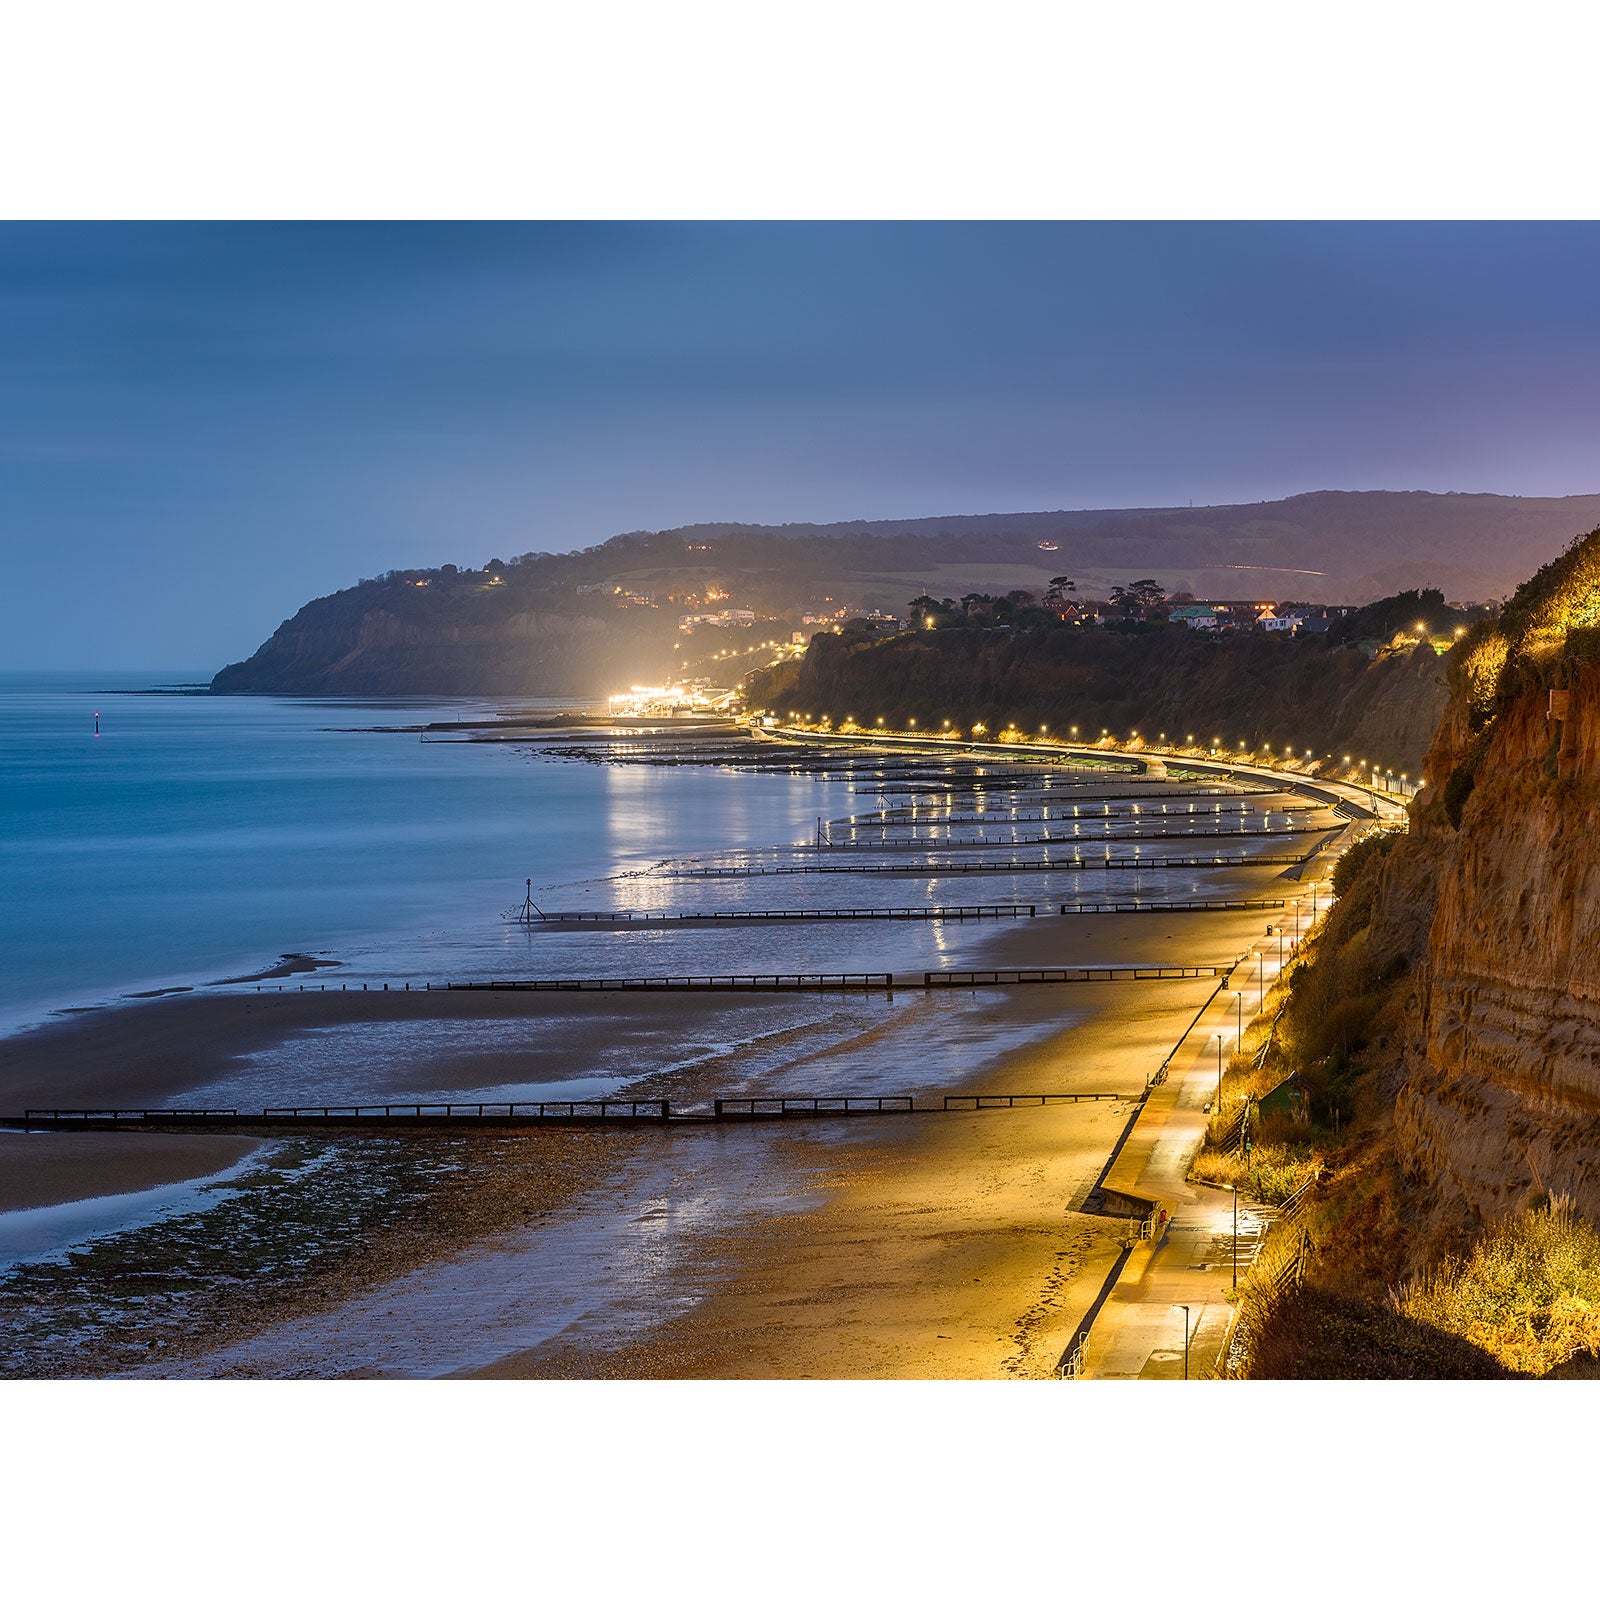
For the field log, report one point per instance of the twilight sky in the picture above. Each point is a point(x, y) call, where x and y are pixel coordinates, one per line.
point(203, 426)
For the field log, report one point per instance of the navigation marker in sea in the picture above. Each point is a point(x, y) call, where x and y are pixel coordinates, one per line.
point(527, 911)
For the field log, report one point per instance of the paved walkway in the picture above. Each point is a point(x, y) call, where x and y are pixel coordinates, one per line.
point(1139, 1331)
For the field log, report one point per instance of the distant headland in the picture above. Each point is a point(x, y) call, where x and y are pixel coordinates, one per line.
point(721, 598)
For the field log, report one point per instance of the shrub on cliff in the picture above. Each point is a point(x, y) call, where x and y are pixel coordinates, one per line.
point(1312, 1333)
point(1355, 861)
point(1528, 1294)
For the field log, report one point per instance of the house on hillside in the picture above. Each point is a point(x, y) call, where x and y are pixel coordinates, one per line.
point(1273, 623)
point(1195, 616)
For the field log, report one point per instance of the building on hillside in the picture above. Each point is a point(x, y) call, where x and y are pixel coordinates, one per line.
point(1195, 616)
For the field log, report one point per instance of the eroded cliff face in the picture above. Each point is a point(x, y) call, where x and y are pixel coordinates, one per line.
point(1501, 1091)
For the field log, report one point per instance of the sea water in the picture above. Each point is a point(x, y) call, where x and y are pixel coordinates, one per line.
point(189, 838)
point(197, 837)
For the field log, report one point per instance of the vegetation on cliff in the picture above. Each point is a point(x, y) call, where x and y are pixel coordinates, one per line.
point(1448, 1007)
point(1165, 683)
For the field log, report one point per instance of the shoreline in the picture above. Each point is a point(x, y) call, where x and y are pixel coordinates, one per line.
point(960, 1225)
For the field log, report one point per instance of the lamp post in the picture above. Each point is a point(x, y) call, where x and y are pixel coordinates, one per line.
point(1238, 1019)
point(1219, 1072)
point(1185, 1311)
point(1236, 1236)
point(1261, 979)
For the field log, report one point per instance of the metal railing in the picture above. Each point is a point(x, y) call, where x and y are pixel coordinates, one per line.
point(1072, 1360)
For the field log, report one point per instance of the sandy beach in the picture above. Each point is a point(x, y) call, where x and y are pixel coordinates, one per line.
point(53, 1169)
point(936, 1245)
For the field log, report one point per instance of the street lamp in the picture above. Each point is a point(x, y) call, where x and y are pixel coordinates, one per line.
point(1236, 1236)
point(1238, 1028)
point(1185, 1311)
point(1261, 979)
point(1219, 1072)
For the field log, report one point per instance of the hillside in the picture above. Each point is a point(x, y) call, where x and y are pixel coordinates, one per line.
point(588, 622)
point(1168, 683)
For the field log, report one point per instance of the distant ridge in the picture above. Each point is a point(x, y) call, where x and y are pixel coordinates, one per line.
point(551, 624)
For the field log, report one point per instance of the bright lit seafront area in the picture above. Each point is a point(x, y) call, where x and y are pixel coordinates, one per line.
point(665, 1248)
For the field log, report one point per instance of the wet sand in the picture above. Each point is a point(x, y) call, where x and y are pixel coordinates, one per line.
point(48, 1169)
point(147, 1051)
point(947, 1247)
point(939, 1246)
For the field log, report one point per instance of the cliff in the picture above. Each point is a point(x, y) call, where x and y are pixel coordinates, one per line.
point(1502, 1099)
point(1252, 688)
point(1462, 967)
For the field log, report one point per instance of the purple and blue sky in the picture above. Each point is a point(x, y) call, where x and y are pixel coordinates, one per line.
point(203, 426)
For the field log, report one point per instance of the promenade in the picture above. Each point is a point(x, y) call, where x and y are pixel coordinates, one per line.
point(1140, 1329)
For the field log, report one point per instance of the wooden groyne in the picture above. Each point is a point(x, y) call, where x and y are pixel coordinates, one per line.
point(992, 976)
point(464, 1117)
point(1051, 811)
point(1123, 907)
point(797, 914)
point(656, 919)
point(953, 868)
point(1155, 833)
point(698, 984)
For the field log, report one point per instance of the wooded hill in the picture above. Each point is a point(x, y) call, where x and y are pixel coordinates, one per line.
point(588, 622)
point(1166, 683)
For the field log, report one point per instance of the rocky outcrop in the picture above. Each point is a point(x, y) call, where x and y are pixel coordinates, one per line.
point(1501, 1098)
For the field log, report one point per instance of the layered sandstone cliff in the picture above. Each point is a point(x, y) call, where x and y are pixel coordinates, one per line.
point(1495, 895)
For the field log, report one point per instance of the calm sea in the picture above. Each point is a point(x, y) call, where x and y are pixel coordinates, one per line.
point(198, 838)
